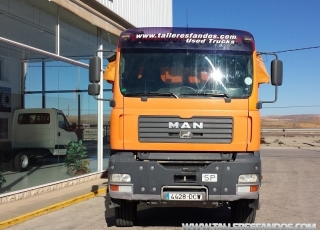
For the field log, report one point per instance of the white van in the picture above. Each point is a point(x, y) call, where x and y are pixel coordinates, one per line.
point(39, 132)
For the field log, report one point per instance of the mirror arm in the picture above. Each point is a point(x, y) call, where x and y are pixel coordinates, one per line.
point(268, 53)
point(112, 102)
point(110, 57)
point(102, 99)
point(259, 103)
point(110, 51)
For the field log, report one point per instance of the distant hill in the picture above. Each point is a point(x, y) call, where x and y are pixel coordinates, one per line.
point(268, 122)
point(292, 121)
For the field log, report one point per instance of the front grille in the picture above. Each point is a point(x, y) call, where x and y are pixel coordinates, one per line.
point(177, 130)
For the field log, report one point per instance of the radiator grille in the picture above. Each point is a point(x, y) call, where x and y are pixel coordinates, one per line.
point(177, 130)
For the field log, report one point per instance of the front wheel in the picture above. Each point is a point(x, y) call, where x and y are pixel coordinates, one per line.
point(21, 161)
point(126, 214)
point(241, 212)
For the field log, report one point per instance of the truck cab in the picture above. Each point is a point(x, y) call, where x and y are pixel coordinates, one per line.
point(185, 122)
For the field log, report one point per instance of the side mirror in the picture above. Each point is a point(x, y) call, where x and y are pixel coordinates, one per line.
point(276, 72)
point(94, 89)
point(94, 69)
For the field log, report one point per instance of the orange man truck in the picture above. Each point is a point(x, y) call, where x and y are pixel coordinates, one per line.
point(185, 121)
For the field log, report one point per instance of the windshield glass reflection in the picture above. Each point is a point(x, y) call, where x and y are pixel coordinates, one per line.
point(186, 74)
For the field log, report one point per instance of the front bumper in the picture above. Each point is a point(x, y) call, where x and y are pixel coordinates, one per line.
point(151, 179)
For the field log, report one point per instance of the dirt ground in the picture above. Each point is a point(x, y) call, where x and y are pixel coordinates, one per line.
point(292, 141)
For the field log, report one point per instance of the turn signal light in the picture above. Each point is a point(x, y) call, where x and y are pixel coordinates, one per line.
point(114, 188)
point(254, 188)
point(248, 188)
point(120, 188)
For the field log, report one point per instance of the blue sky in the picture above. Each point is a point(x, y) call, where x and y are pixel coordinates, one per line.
point(276, 25)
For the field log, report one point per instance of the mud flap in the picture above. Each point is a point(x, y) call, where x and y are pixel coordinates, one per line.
point(255, 204)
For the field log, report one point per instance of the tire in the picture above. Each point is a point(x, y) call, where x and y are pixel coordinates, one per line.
point(21, 161)
point(126, 214)
point(241, 212)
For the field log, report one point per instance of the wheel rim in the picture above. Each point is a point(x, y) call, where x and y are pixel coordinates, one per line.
point(24, 161)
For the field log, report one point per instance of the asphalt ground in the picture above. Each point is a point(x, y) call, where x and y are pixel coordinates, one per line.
point(289, 194)
point(16, 212)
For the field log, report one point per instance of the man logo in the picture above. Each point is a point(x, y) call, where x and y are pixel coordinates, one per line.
point(185, 134)
point(186, 125)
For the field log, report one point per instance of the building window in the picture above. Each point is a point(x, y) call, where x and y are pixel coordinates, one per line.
point(5, 99)
point(3, 128)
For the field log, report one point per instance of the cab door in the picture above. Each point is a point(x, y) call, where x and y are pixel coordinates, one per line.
point(64, 135)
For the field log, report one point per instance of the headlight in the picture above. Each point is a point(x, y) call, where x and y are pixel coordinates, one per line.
point(248, 178)
point(120, 178)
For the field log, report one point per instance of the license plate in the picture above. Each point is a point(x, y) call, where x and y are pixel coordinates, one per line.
point(183, 196)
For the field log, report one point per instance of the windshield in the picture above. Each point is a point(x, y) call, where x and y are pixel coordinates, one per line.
point(186, 73)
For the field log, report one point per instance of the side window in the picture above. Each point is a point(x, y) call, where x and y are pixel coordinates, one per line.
point(25, 119)
point(42, 118)
point(33, 118)
point(62, 121)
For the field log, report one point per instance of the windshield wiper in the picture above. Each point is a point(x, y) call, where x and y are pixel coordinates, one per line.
point(151, 94)
point(224, 95)
point(207, 94)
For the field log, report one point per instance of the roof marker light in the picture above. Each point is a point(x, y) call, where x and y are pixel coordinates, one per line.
point(125, 37)
point(246, 39)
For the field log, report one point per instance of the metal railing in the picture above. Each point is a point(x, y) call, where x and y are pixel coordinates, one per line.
point(90, 133)
point(286, 132)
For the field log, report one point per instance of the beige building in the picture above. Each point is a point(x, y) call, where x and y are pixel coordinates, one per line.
point(45, 47)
